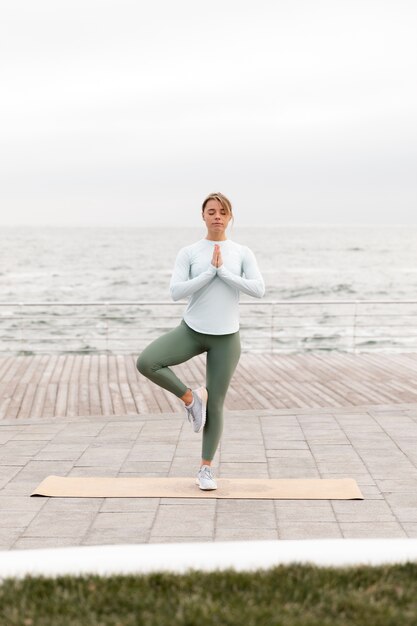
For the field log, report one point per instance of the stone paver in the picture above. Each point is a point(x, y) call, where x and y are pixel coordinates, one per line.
point(375, 445)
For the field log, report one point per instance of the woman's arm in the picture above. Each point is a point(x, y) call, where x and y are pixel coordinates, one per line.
point(181, 285)
point(253, 283)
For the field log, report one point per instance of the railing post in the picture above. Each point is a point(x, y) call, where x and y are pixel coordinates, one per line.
point(106, 325)
point(21, 304)
point(354, 327)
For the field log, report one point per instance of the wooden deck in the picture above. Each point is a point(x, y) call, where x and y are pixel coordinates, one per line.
point(72, 385)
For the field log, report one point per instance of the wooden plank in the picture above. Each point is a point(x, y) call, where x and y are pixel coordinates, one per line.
point(246, 386)
point(75, 372)
point(174, 402)
point(38, 401)
point(125, 390)
point(16, 399)
point(139, 398)
point(297, 367)
point(67, 369)
point(260, 367)
point(17, 366)
point(356, 397)
point(105, 399)
point(31, 366)
point(305, 372)
point(57, 371)
point(5, 399)
point(306, 394)
point(245, 391)
point(369, 389)
point(322, 369)
point(270, 398)
point(410, 359)
point(48, 371)
point(93, 386)
point(147, 387)
point(323, 398)
point(38, 374)
point(408, 388)
point(94, 369)
point(325, 369)
point(295, 399)
point(359, 368)
point(5, 363)
point(383, 366)
point(336, 367)
point(116, 396)
point(326, 388)
point(132, 375)
point(50, 400)
point(163, 404)
point(131, 371)
point(277, 370)
point(47, 385)
point(61, 399)
point(72, 398)
point(11, 379)
point(128, 399)
point(120, 371)
point(83, 386)
point(27, 401)
point(83, 399)
point(103, 370)
point(401, 366)
point(95, 400)
point(235, 400)
point(103, 386)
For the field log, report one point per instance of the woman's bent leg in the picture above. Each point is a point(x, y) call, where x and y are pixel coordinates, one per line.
point(222, 358)
point(176, 346)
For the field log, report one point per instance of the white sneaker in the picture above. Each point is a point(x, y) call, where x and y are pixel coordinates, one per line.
point(196, 411)
point(205, 479)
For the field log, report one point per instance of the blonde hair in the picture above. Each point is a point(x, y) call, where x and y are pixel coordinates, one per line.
point(225, 203)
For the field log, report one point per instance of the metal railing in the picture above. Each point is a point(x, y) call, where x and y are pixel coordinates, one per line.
point(266, 326)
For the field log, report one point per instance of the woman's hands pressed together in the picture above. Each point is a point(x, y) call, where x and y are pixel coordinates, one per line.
point(217, 260)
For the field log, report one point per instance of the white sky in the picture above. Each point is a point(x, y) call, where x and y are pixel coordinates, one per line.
point(129, 113)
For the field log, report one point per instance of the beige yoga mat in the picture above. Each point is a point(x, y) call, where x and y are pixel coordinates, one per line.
point(172, 487)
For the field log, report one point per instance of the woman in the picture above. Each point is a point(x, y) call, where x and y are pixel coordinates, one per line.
point(209, 273)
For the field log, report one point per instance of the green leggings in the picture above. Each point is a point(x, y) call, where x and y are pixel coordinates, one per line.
point(179, 345)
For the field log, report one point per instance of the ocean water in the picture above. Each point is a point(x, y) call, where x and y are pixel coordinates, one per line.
point(130, 264)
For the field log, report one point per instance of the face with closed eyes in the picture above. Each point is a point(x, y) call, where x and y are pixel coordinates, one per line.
point(216, 218)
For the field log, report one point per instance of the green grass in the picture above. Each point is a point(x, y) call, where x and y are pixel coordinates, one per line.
point(284, 595)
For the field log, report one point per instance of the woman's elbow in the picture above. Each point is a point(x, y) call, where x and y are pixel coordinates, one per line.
point(260, 291)
point(174, 294)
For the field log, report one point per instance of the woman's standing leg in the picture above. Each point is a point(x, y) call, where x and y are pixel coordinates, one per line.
point(176, 346)
point(223, 355)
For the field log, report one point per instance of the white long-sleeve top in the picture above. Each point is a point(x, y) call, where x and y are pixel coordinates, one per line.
point(213, 293)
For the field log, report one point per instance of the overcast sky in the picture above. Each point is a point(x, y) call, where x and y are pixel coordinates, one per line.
point(130, 113)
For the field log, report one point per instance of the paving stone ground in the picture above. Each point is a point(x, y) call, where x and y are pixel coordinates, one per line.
point(375, 444)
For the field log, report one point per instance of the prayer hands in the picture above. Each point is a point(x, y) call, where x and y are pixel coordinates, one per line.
point(217, 260)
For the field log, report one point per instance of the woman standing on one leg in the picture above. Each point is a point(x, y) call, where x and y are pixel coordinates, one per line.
point(211, 273)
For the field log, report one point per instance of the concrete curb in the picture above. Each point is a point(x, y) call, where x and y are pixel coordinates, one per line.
point(182, 557)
